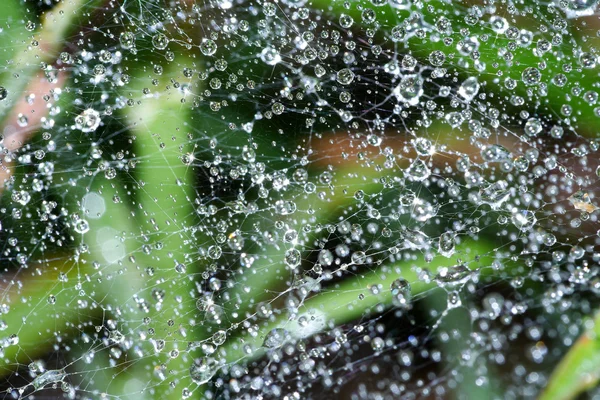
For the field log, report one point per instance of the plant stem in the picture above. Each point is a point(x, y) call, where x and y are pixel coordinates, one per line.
point(579, 369)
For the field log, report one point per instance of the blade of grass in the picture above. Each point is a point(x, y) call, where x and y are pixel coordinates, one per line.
point(31, 318)
point(579, 369)
point(50, 37)
point(166, 217)
point(268, 272)
point(343, 303)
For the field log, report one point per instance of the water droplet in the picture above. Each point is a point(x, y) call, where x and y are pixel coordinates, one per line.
point(533, 127)
point(359, 257)
point(219, 337)
point(588, 60)
point(523, 219)
point(401, 293)
point(215, 252)
point(81, 226)
point(454, 300)
point(418, 171)
point(270, 56)
point(160, 41)
point(499, 24)
point(409, 62)
point(208, 47)
point(495, 153)
point(293, 257)
point(277, 108)
point(495, 194)
point(346, 21)
point(377, 344)
point(581, 201)
point(437, 58)
point(446, 244)
point(88, 121)
point(469, 89)
point(531, 76)
point(452, 277)
point(127, 40)
point(48, 377)
point(409, 90)
point(203, 369)
point(345, 76)
point(423, 146)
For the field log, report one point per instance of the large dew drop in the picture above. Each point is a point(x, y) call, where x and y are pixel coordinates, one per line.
point(202, 370)
point(88, 121)
point(48, 377)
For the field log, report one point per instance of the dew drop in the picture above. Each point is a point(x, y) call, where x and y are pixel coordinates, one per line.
point(208, 47)
point(345, 76)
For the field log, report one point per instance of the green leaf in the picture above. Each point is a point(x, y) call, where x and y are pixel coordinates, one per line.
point(579, 370)
point(497, 67)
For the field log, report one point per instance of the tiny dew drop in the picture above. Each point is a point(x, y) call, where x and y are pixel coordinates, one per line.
point(446, 245)
point(270, 56)
point(418, 171)
point(588, 60)
point(293, 257)
point(277, 108)
point(346, 21)
point(531, 76)
point(437, 58)
point(455, 276)
point(454, 300)
point(469, 89)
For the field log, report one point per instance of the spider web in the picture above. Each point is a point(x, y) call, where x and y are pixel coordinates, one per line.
point(283, 200)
